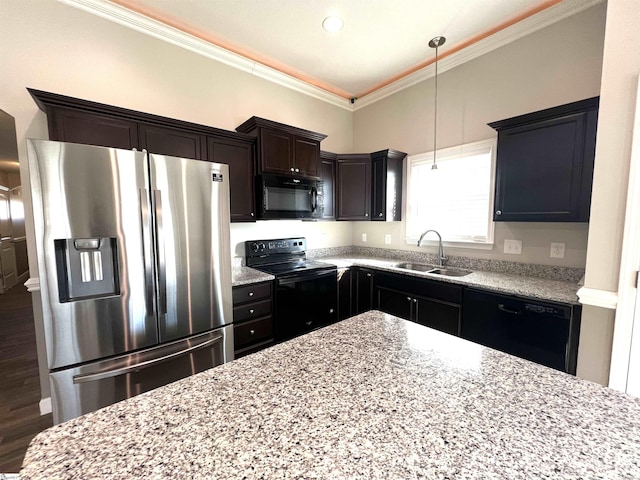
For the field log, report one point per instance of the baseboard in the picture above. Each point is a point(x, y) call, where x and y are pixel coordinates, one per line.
point(22, 278)
point(45, 406)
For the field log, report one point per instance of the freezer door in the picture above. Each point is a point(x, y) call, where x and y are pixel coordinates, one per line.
point(93, 230)
point(190, 201)
point(83, 389)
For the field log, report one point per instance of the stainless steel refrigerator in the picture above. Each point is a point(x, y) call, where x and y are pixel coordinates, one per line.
point(135, 270)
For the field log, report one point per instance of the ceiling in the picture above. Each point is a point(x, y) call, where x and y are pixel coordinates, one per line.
point(381, 42)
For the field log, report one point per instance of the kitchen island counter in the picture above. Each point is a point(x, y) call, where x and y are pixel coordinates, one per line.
point(373, 396)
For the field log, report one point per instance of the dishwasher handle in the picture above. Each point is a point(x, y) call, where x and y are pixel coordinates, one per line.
point(503, 308)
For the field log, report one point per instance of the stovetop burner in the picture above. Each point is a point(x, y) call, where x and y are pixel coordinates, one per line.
point(281, 256)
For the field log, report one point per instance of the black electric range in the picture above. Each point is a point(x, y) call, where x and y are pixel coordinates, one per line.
point(306, 291)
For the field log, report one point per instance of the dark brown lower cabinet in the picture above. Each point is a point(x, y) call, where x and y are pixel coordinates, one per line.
point(362, 290)
point(344, 293)
point(252, 317)
point(433, 304)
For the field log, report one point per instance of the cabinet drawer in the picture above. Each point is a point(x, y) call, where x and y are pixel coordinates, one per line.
point(252, 310)
point(251, 293)
point(252, 331)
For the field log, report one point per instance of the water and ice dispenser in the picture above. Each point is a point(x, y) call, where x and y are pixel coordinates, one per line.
point(87, 268)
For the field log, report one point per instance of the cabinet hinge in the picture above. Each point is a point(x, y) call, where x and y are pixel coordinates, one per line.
point(637, 279)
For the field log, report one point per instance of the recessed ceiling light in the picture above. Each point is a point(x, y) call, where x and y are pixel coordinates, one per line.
point(332, 24)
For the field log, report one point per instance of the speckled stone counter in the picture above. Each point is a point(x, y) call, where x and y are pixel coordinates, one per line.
point(526, 286)
point(244, 275)
point(372, 397)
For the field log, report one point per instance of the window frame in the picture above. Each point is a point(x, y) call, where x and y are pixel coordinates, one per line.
point(443, 155)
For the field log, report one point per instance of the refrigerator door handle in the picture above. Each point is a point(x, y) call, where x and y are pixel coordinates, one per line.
point(146, 248)
point(116, 372)
point(162, 265)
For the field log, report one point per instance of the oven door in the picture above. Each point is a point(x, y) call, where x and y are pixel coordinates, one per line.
point(289, 198)
point(305, 301)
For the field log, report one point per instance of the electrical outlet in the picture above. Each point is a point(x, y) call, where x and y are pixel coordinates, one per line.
point(387, 239)
point(557, 250)
point(513, 247)
point(364, 237)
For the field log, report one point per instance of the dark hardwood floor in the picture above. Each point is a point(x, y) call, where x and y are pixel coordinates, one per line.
point(20, 418)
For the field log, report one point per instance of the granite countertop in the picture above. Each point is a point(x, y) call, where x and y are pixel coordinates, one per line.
point(245, 275)
point(524, 285)
point(371, 397)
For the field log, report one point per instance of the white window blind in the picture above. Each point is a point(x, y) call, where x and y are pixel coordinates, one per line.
point(456, 199)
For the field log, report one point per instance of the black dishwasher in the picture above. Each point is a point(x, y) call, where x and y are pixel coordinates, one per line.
point(543, 332)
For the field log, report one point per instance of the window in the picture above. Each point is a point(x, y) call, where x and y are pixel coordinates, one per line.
point(457, 198)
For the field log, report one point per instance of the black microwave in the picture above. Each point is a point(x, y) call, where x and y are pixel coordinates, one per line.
point(281, 197)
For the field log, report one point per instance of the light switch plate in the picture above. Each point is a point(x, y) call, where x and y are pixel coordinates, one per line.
point(513, 247)
point(557, 250)
point(387, 239)
point(364, 237)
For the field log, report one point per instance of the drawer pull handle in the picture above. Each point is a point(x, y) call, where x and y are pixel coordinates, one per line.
point(252, 332)
point(251, 294)
point(251, 310)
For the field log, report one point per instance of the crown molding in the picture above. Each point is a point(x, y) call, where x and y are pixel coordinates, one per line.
point(156, 29)
point(499, 39)
point(159, 30)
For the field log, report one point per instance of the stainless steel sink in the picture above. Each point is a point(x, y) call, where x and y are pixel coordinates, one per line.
point(449, 272)
point(415, 266)
point(419, 267)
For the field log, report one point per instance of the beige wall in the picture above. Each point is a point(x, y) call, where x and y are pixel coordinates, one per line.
point(621, 66)
point(557, 65)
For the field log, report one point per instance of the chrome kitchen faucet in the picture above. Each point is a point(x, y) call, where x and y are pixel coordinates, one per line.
point(441, 257)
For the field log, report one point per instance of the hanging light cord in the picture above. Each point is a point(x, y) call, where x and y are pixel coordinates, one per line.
point(435, 43)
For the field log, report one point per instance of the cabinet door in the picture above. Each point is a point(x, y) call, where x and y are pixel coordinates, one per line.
point(539, 171)
point(171, 141)
point(328, 177)
point(77, 126)
point(306, 160)
point(378, 188)
point(354, 187)
point(394, 302)
point(276, 152)
point(439, 315)
point(364, 291)
point(239, 157)
point(344, 293)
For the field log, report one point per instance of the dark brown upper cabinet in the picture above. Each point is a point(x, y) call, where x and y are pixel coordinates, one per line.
point(328, 162)
point(239, 156)
point(78, 126)
point(81, 121)
point(544, 165)
point(171, 141)
point(354, 186)
point(386, 185)
point(283, 149)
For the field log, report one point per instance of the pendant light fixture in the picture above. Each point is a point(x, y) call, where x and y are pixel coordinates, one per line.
point(435, 43)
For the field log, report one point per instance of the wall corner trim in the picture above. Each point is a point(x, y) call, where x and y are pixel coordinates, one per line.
point(598, 298)
point(45, 406)
point(33, 284)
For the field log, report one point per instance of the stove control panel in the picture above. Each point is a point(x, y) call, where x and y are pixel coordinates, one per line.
point(275, 246)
